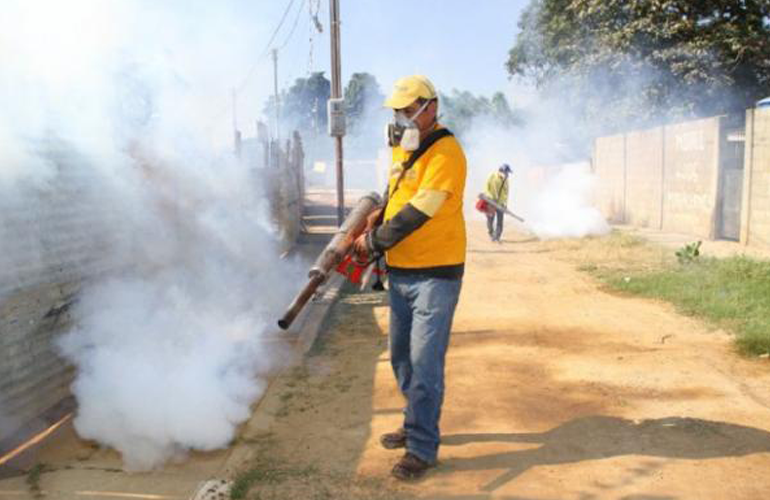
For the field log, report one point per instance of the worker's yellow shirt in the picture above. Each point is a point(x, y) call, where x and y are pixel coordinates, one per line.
point(497, 188)
point(441, 240)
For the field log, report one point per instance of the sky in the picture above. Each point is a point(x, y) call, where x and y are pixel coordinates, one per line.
point(217, 53)
point(456, 43)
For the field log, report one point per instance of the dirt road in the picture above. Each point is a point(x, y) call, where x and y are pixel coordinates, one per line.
point(555, 390)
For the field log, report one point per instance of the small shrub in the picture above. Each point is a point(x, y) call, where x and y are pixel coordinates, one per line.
point(689, 253)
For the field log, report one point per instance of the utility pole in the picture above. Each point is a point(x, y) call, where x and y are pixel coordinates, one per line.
point(275, 97)
point(336, 106)
point(236, 132)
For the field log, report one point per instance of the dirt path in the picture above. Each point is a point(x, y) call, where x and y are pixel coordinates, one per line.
point(555, 390)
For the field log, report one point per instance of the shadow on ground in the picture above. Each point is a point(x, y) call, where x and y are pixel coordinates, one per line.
point(597, 437)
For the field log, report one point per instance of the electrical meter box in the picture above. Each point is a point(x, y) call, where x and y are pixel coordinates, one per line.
point(336, 115)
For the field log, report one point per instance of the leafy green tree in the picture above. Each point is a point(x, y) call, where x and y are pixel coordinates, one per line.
point(646, 59)
point(501, 111)
point(460, 109)
point(363, 99)
point(303, 105)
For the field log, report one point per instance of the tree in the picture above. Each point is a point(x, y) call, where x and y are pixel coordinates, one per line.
point(646, 59)
point(362, 99)
point(461, 108)
point(303, 105)
point(502, 112)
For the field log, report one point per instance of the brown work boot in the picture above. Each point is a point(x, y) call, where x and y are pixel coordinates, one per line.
point(394, 440)
point(410, 468)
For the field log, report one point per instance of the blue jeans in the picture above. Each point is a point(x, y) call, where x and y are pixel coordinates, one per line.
point(421, 312)
point(495, 232)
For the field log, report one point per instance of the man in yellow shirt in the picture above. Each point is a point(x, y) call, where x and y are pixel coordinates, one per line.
point(423, 238)
point(497, 191)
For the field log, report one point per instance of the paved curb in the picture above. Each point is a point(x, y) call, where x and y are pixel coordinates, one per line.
point(317, 312)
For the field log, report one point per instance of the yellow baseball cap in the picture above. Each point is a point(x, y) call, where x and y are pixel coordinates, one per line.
point(408, 89)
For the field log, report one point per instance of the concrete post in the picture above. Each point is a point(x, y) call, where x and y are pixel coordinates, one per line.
point(716, 178)
point(662, 175)
point(748, 169)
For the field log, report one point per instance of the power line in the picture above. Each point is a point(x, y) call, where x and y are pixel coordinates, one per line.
point(266, 51)
point(283, 18)
point(237, 89)
point(294, 26)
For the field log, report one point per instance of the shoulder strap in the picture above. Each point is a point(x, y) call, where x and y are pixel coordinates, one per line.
point(425, 145)
point(429, 141)
point(502, 185)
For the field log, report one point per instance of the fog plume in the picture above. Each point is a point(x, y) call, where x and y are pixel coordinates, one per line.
point(112, 174)
point(551, 186)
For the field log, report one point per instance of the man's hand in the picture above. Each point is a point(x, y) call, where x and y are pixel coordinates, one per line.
point(360, 247)
point(371, 219)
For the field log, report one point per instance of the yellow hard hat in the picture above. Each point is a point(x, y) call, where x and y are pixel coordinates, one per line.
point(408, 89)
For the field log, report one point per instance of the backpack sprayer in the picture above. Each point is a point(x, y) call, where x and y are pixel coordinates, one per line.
point(485, 203)
point(339, 255)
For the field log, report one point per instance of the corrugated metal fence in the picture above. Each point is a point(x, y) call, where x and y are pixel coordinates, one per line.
point(55, 236)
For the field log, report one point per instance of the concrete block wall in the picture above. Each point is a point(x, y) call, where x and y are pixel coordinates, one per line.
point(663, 178)
point(609, 167)
point(755, 220)
point(691, 177)
point(644, 178)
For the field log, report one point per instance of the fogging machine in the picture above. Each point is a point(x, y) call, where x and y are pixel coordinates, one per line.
point(485, 202)
point(338, 255)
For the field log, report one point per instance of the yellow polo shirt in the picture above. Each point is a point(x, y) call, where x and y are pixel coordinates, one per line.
point(441, 241)
point(497, 188)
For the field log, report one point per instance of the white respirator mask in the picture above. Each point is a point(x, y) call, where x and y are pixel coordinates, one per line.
point(402, 131)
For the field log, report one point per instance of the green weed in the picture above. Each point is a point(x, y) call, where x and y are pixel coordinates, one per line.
point(33, 479)
point(688, 253)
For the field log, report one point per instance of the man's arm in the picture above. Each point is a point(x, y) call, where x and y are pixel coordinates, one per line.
point(424, 205)
point(438, 184)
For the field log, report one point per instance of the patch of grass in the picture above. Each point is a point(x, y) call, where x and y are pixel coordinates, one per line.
point(588, 268)
point(623, 239)
point(263, 472)
point(732, 293)
point(323, 345)
point(278, 482)
point(298, 375)
point(617, 250)
point(33, 479)
point(261, 439)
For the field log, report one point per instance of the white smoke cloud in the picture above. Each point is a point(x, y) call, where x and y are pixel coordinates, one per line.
point(563, 207)
point(108, 113)
point(547, 188)
point(167, 363)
